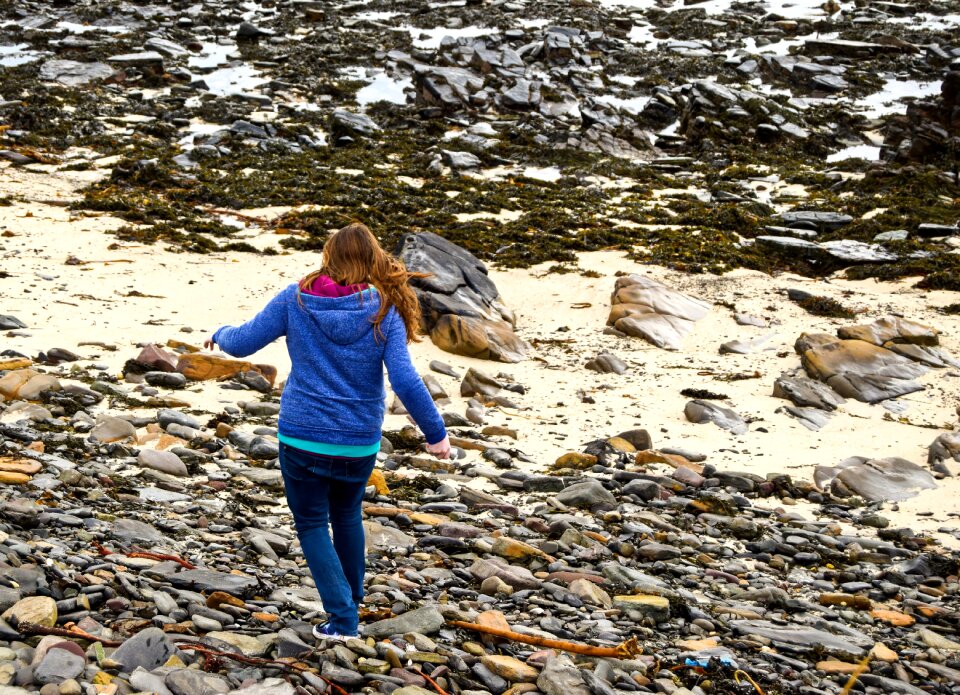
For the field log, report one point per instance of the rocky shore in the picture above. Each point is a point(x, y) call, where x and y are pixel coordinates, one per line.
point(692, 323)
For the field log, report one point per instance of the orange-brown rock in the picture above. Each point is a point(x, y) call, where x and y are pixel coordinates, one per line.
point(882, 652)
point(13, 478)
point(15, 363)
point(895, 618)
point(180, 345)
point(653, 456)
point(202, 367)
point(849, 600)
point(23, 466)
point(833, 666)
point(12, 382)
point(575, 460)
point(378, 482)
point(492, 619)
point(221, 598)
point(473, 337)
point(892, 329)
point(375, 510)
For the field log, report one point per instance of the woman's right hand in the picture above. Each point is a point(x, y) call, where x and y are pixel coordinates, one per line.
point(441, 449)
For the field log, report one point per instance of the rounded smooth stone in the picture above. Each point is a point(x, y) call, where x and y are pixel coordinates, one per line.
point(206, 624)
point(59, 665)
point(70, 687)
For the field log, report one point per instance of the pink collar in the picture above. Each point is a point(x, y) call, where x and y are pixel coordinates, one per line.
point(324, 286)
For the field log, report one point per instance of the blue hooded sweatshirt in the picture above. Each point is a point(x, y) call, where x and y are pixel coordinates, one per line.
point(335, 392)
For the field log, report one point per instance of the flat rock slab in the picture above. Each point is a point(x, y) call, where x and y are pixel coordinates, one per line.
point(744, 347)
point(379, 536)
point(426, 621)
point(131, 530)
point(824, 221)
point(891, 329)
point(305, 599)
point(700, 411)
point(813, 419)
point(892, 479)
point(802, 638)
point(73, 73)
point(861, 370)
point(804, 392)
point(210, 580)
point(644, 308)
point(850, 251)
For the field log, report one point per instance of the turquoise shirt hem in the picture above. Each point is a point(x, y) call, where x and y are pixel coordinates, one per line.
point(349, 450)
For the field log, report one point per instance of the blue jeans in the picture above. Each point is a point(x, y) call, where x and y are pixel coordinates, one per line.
point(325, 491)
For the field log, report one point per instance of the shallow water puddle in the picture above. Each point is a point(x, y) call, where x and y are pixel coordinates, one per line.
point(432, 38)
point(502, 217)
point(384, 88)
point(889, 99)
point(871, 153)
point(76, 28)
point(213, 55)
point(233, 80)
point(631, 105)
point(11, 56)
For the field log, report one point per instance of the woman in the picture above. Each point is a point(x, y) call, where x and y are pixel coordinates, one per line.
point(343, 323)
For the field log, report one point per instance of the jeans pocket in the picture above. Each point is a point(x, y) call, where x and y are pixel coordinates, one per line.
point(355, 470)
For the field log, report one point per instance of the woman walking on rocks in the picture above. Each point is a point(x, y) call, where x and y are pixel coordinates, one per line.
point(342, 323)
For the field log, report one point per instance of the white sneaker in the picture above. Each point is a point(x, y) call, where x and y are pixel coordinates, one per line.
point(320, 631)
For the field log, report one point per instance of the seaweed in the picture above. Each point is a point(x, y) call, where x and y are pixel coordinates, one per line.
point(826, 306)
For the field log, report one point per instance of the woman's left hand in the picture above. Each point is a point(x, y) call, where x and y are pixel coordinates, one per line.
point(209, 344)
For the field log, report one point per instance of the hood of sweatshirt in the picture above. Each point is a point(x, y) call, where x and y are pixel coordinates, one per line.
point(343, 320)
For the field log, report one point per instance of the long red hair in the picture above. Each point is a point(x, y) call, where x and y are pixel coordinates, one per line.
point(353, 256)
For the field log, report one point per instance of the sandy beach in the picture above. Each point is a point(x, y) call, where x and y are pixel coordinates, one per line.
point(124, 295)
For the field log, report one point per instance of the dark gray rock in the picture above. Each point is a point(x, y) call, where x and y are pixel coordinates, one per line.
point(187, 681)
point(800, 638)
point(426, 621)
point(701, 411)
point(170, 380)
point(806, 393)
point(347, 123)
point(607, 363)
point(148, 649)
point(589, 494)
point(823, 221)
point(168, 416)
point(211, 580)
point(891, 479)
point(72, 73)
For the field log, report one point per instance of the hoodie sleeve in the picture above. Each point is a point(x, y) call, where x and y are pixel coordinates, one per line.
point(258, 332)
point(406, 382)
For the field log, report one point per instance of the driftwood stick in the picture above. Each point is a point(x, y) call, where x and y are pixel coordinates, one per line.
point(626, 650)
point(143, 554)
point(74, 632)
point(436, 686)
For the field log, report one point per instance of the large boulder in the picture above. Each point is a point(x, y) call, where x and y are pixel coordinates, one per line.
point(647, 309)
point(892, 479)
point(927, 131)
point(943, 449)
point(859, 369)
point(463, 312)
